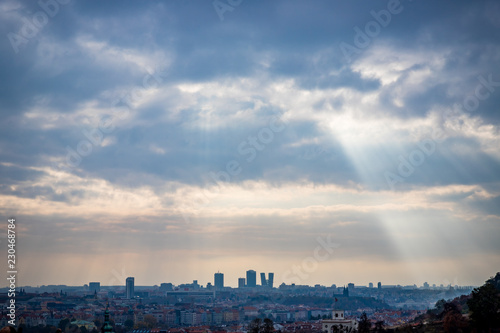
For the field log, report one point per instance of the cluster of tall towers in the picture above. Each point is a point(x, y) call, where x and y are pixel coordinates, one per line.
point(270, 279)
point(250, 281)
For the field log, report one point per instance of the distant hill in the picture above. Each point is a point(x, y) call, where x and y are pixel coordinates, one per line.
point(479, 311)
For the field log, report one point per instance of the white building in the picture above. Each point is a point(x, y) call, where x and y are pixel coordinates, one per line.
point(338, 323)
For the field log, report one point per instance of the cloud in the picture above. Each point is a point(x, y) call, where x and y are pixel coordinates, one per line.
point(121, 120)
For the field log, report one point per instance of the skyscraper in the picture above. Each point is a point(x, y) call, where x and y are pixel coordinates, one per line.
point(129, 287)
point(219, 280)
point(251, 278)
point(270, 280)
point(241, 282)
point(263, 281)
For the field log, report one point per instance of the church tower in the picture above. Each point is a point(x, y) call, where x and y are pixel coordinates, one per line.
point(107, 328)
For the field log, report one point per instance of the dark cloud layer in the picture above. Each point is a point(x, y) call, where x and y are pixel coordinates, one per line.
point(196, 90)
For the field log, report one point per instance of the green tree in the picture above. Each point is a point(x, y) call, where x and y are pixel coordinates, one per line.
point(484, 307)
point(129, 324)
point(364, 324)
point(150, 321)
point(454, 322)
point(379, 326)
point(440, 306)
point(63, 323)
point(254, 326)
point(141, 325)
point(268, 326)
point(495, 281)
point(261, 326)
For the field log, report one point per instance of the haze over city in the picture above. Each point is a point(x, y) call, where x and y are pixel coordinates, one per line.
point(329, 142)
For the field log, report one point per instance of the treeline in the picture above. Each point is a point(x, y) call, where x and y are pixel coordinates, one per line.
point(478, 312)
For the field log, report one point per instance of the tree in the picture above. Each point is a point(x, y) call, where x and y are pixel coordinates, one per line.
point(495, 281)
point(454, 322)
point(440, 306)
point(141, 325)
point(129, 324)
point(261, 326)
point(364, 324)
point(150, 321)
point(63, 323)
point(268, 326)
point(484, 307)
point(72, 328)
point(379, 326)
point(254, 326)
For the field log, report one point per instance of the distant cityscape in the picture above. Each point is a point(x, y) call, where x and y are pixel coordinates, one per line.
point(214, 304)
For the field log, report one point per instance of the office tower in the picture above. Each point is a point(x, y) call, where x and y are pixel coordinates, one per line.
point(370, 285)
point(379, 285)
point(94, 287)
point(270, 279)
point(263, 281)
point(129, 287)
point(241, 283)
point(251, 278)
point(218, 280)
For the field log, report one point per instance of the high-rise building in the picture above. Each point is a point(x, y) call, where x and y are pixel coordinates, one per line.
point(251, 278)
point(129, 287)
point(370, 285)
point(379, 285)
point(219, 280)
point(94, 287)
point(263, 281)
point(241, 283)
point(270, 280)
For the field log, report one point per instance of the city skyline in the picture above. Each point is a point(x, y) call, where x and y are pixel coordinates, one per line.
point(327, 142)
point(129, 284)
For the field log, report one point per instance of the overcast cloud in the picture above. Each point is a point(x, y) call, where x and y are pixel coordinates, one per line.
point(173, 139)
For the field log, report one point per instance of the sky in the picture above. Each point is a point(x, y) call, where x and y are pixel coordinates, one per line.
point(328, 142)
